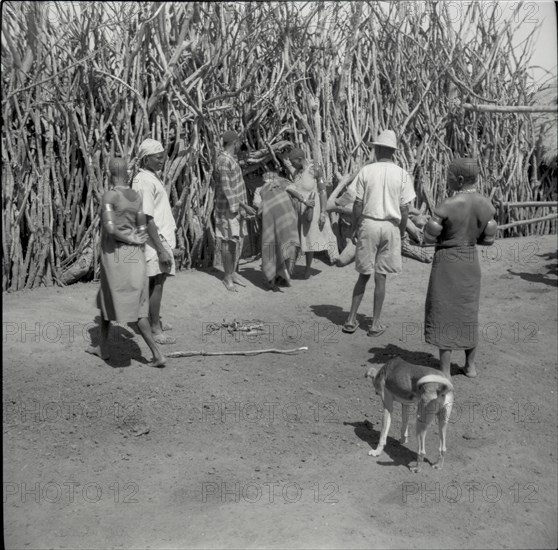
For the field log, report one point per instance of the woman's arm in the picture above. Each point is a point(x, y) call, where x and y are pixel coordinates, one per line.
point(299, 197)
point(433, 229)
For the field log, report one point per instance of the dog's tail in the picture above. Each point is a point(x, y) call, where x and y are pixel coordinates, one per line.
point(436, 379)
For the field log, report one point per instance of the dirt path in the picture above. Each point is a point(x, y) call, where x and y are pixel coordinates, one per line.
point(272, 451)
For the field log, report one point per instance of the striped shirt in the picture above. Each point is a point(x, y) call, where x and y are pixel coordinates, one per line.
point(230, 190)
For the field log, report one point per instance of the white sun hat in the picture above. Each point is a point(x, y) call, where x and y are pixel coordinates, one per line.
point(386, 139)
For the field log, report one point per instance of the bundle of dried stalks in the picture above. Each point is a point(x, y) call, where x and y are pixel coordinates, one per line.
point(84, 81)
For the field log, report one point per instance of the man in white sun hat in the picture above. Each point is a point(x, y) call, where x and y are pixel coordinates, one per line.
point(380, 212)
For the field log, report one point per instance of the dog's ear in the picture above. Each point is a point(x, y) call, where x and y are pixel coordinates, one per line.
point(371, 373)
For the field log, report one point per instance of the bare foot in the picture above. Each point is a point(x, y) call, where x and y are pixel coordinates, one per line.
point(237, 280)
point(229, 285)
point(163, 339)
point(158, 363)
point(96, 350)
point(470, 370)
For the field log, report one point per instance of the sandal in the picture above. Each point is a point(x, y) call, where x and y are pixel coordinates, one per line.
point(163, 339)
point(350, 329)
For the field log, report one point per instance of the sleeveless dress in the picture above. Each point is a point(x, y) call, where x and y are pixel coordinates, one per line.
point(311, 238)
point(124, 292)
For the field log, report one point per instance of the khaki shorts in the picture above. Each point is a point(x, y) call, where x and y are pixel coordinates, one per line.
point(231, 227)
point(378, 248)
point(152, 264)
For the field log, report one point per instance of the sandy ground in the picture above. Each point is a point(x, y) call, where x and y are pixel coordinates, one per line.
point(272, 451)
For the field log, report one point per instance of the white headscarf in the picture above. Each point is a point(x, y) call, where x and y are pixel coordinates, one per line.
point(149, 147)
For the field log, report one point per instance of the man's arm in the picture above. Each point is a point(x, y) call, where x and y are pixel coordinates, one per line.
point(153, 231)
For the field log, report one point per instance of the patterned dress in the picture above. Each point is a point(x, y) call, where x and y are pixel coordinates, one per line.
point(279, 226)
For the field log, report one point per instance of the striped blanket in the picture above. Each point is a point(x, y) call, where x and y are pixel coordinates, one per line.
point(279, 227)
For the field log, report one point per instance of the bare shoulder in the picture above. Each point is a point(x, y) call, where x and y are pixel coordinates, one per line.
point(487, 204)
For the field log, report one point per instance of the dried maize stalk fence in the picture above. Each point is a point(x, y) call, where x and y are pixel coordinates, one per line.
point(81, 82)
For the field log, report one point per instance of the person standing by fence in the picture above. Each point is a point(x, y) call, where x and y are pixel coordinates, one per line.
point(457, 225)
point(314, 226)
point(380, 212)
point(124, 292)
point(279, 230)
point(231, 208)
point(161, 229)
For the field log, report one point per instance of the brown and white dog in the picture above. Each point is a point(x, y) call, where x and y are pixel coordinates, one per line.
point(406, 383)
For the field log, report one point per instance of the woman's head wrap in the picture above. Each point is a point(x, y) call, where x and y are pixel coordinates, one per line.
point(467, 167)
point(149, 147)
point(297, 153)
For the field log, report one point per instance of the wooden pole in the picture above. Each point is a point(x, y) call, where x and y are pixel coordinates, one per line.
point(510, 108)
point(174, 354)
point(530, 203)
point(526, 222)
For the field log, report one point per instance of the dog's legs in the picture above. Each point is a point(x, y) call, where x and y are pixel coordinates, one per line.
point(443, 419)
point(404, 423)
point(386, 422)
point(425, 417)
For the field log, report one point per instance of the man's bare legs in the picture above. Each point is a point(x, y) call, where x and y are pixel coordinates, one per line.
point(238, 252)
point(145, 330)
point(358, 293)
point(228, 256)
point(379, 295)
point(156, 284)
point(309, 258)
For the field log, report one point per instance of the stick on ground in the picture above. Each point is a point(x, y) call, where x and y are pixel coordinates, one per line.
point(174, 354)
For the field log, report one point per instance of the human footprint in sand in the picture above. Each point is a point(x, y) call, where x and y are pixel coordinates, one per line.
point(124, 292)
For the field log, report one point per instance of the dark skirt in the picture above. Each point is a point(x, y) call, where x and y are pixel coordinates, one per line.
point(452, 301)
